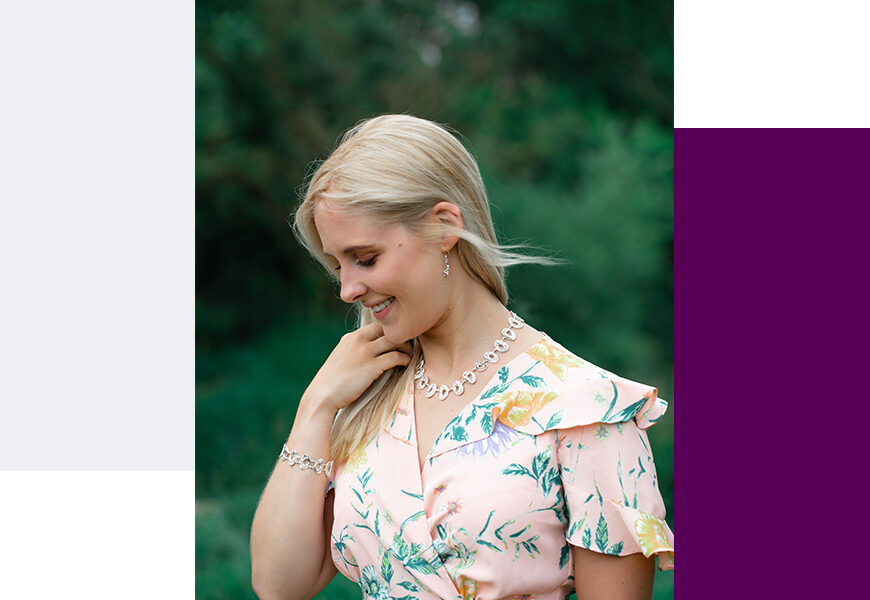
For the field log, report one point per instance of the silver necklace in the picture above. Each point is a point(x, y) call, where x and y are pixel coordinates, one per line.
point(507, 335)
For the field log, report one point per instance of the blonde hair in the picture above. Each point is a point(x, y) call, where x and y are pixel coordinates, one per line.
point(395, 168)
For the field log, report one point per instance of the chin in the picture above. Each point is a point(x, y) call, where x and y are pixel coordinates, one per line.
point(393, 337)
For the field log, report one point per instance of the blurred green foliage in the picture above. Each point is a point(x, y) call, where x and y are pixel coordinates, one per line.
point(566, 105)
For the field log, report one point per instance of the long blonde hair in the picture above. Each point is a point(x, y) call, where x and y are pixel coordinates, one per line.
point(395, 168)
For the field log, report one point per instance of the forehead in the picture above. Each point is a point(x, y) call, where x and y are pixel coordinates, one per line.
point(343, 233)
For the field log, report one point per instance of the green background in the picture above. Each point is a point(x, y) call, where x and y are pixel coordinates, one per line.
point(567, 107)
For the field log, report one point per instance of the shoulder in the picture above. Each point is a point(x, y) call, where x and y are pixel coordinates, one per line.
point(564, 390)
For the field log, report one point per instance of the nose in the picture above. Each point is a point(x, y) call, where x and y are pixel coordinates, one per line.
point(351, 287)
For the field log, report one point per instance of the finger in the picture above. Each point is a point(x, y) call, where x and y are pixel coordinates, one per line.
point(382, 345)
point(372, 331)
point(392, 359)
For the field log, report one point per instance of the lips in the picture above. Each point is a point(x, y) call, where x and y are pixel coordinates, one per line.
point(383, 305)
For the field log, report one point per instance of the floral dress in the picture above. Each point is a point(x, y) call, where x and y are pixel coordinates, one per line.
point(552, 454)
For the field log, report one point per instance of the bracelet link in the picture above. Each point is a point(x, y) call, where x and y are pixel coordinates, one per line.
point(305, 462)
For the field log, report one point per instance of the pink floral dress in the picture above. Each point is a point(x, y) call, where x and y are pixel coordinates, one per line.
point(553, 453)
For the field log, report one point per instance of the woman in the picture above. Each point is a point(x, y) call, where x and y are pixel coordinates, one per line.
point(472, 456)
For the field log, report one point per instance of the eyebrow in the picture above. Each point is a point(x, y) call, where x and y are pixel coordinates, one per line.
point(352, 249)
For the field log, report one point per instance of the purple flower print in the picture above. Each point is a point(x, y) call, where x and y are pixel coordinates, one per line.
point(500, 438)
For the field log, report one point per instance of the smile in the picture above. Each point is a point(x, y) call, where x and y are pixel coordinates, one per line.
point(383, 305)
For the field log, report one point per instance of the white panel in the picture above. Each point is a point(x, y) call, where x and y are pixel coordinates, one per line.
point(97, 535)
point(771, 63)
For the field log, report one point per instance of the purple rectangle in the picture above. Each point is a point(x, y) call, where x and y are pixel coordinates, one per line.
point(771, 361)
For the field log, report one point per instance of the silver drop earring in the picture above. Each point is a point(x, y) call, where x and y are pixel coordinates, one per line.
point(446, 267)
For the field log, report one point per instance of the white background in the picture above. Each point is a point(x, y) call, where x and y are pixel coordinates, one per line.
point(97, 259)
point(771, 63)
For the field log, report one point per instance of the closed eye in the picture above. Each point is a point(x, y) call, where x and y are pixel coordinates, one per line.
point(361, 263)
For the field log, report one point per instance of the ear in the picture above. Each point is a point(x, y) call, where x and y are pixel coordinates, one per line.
point(448, 214)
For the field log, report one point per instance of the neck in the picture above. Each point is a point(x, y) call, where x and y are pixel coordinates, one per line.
point(470, 325)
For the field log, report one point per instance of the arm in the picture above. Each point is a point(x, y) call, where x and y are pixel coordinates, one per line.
point(290, 556)
point(290, 533)
point(605, 577)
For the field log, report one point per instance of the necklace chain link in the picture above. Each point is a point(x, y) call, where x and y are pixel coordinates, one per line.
point(499, 346)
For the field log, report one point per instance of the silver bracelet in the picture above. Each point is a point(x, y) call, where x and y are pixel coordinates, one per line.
point(305, 462)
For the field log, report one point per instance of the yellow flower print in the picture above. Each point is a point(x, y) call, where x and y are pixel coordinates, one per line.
point(517, 408)
point(357, 458)
point(555, 359)
point(651, 534)
point(467, 587)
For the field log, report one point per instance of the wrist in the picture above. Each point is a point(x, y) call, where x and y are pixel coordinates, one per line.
point(315, 408)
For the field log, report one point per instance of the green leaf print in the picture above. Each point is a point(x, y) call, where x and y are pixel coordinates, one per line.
point(486, 424)
point(413, 495)
point(598, 493)
point(341, 545)
point(628, 412)
point(615, 549)
point(482, 541)
point(563, 557)
point(532, 380)
point(503, 374)
point(555, 419)
point(496, 389)
point(410, 586)
point(364, 516)
point(529, 546)
point(386, 567)
point(619, 477)
point(458, 433)
point(399, 548)
point(410, 556)
point(411, 519)
point(605, 419)
point(642, 441)
point(642, 470)
point(578, 525)
point(418, 563)
point(516, 469)
point(485, 525)
point(601, 534)
point(540, 462)
point(587, 538)
point(489, 545)
point(498, 531)
point(521, 531)
point(549, 478)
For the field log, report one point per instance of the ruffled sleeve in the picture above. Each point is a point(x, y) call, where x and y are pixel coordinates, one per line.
point(608, 473)
point(611, 491)
point(604, 398)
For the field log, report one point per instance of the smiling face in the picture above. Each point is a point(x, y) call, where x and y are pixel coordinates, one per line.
point(378, 262)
